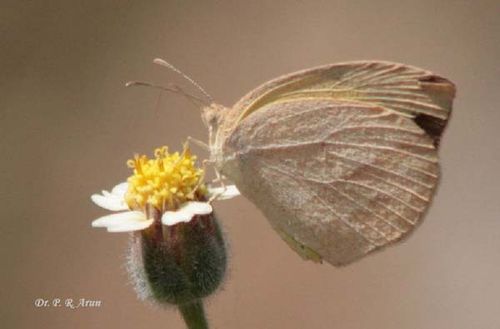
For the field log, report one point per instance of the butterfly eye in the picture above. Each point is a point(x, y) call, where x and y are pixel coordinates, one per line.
point(210, 116)
point(208, 119)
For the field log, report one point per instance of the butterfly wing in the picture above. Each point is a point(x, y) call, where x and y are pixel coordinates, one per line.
point(412, 92)
point(337, 180)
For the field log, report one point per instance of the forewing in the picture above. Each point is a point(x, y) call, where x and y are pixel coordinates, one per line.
point(409, 91)
point(336, 179)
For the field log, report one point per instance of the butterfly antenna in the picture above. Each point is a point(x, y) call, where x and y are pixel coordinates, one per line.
point(164, 63)
point(198, 102)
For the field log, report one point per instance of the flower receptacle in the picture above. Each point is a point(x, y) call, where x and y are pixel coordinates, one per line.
point(182, 263)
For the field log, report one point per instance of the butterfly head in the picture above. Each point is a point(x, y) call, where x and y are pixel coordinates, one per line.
point(215, 118)
point(212, 116)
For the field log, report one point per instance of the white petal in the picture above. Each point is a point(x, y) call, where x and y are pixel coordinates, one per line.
point(196, 208)
point(131, 226)
point(117, 219)
point(109, 202)
point(120, 190)
point(222, 193)
point(186, 212)
point(175, 217)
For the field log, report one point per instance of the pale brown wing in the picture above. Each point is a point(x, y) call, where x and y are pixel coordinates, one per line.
point(336, 179)
point(409, 91)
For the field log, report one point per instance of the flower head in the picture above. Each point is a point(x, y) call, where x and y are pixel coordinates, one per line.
point(168, 187)
point(179, 255)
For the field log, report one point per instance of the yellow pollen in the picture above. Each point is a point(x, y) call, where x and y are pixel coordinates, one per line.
point(164, 182)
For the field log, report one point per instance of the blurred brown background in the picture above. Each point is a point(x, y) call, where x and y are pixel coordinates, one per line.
point(68, 125)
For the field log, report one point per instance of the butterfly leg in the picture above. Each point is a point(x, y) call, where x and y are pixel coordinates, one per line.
point(202, 177)
point(218, 179)
point(199, 143)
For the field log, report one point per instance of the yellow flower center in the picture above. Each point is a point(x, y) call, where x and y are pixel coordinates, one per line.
point(164, 182)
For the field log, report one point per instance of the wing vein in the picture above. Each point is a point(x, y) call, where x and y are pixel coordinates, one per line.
point(418, 210)
point(334, 212)
point(409, 221)
point(382, 169)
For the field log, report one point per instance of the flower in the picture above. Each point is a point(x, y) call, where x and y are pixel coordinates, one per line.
point(168, 187)
point(177, 253)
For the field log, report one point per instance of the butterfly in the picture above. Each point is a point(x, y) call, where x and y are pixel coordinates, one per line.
point(341, 159)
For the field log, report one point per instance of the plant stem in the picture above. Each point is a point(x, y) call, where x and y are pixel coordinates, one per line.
point(194, 315)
